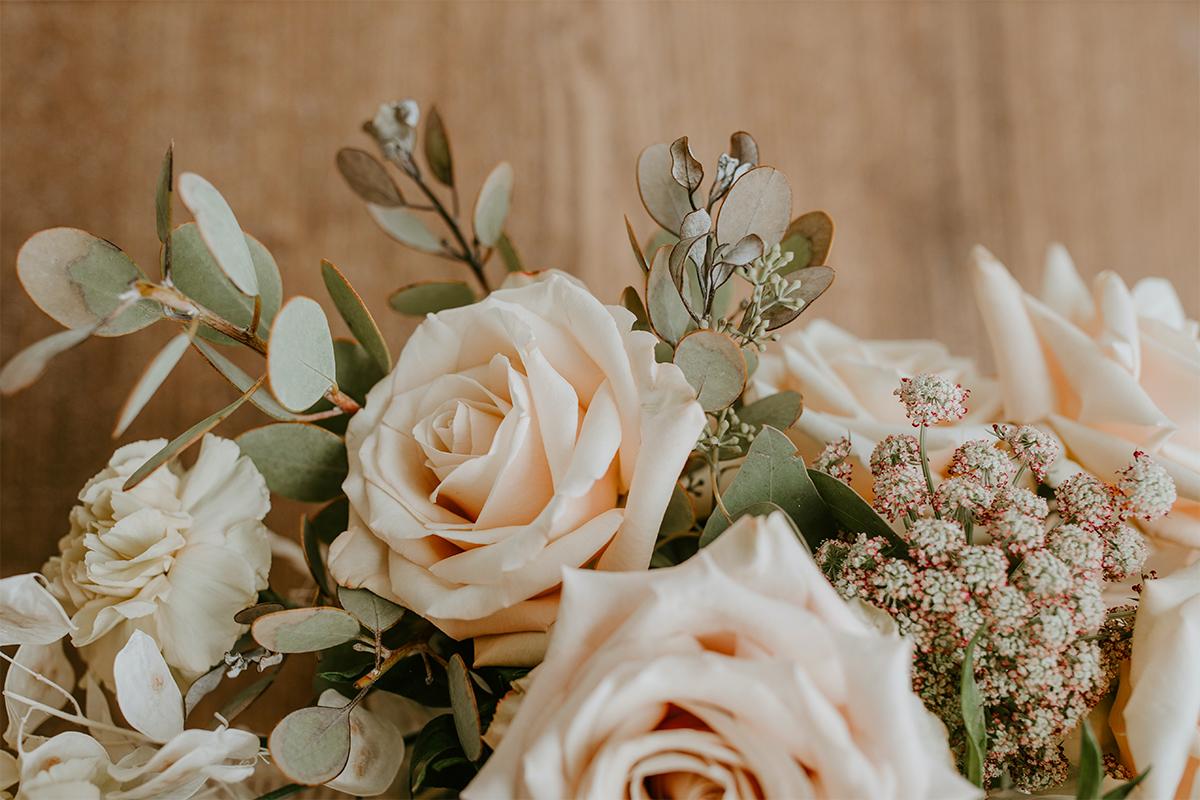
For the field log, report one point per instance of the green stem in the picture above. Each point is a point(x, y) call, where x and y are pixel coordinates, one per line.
point(925, 469)
point(468, 255)
point(283, 791)
point(715, 477)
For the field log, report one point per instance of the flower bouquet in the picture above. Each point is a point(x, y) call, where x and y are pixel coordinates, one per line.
point(671, 547)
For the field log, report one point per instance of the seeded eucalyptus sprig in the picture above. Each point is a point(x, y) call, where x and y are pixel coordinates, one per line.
point(394, 130)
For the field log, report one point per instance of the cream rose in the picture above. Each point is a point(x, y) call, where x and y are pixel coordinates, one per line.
point(1157, 713)
point(531, 431)
point(847, 384)
point(739, 673)
point(1110, 371)
point(176, 556)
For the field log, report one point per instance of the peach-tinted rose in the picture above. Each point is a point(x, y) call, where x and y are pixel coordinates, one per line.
point(739, 673)
point(1111, 370)
point(531, 431)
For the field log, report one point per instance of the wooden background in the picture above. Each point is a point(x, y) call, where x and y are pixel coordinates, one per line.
point(923, 128)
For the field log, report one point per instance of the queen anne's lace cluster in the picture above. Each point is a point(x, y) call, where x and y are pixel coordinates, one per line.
point(983, 556)
point(929, 399)
point(835, 459)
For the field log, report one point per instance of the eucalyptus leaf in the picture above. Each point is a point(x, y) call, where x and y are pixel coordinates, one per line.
point(311, 746)
point(808, 238)
point(152, 378)
point(246, 697)
point(405, 227)
point(679, 516)
point(314, 559)
point(743, 148)
point(713, 364)
point(665, 200)
point(685, 169)
point(774, 473)
point(300, 362)
point(331, 521)
point(220, 231)
point(851, 512)
point(186, 439)
point(368, 178)
point(637, 248)
point(298, 460)
point(759, 202)
point(202, 687)
point(436, 750)
point(357, 371)
point(304, 630)
point(1125, 789)
point(374, 612)
point(195, 273)
point(162, 195)
point(779, 410)
point(437, 148)
point(813, 283)
point(77, 279)
point(466, 708)
point(974, 715)
point(668, 314)
point(354, 311)
point(23, 369)
point(491, 207)
point(632, 302)
point(429, 297)
point(248, 615)
point(509, 254)
point(260, 399)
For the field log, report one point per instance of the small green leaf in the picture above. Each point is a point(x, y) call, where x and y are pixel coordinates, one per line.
point(679, 516)
point(772, 472)
point(77, 279)
point(713, 364)
point(332, 520)
point(491, 207)
point(974, 715)
point(509, 254)
point(437, 148)
point(304, 630)
point(152, 378)
point(374, 612)
point(429, 297)
point(466, 709)
point(368, 178)
point(248, 615)
point(354, 311)
point(779, 410)
point(300, 361)
point(220, 231)
point(1125, 789)
point(300, 461)
point(851, 512)
point(186, 439)
point(808, 238)
point(357, 371)
point(314, 559)
point(632, 301)
point(405, 227)
point(311, 746)
point(23, 369)
point(435, 749)
point(1091, 765)
point(261, 399)
point(668, 314)
point(162, 197)
point(637, 248)
point(196, 274)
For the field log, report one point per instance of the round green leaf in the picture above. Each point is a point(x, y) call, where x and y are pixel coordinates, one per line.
point(298, 460)
point(668, 314)
point(220, 231)
point(779, 410)
point(311, 746)
point(428, 297)
point(491, 207)
point(466, 709)
point(196, 273)
point(300, 361)
point(76, 279)
point(713, 364)
point(374, 612)
point(760, 202)
point(405, 227)
point(304, 630)
point(665, 200)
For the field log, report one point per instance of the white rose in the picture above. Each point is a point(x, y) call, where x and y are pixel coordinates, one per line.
point(176, 556)
point(1110, 371)
point(531, 431)
point(739, 673)
point(847, 384)
point(1157, 714)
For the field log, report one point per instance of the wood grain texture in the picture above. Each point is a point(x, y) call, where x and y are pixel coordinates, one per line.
point(923, 128)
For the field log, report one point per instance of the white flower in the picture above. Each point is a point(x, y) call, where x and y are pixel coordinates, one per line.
point(1111, 371)
point(848, 384)
point(531, 431)
point(176, 556)
point(739, 673)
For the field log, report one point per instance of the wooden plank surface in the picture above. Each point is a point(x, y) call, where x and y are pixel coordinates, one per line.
point(923, 128)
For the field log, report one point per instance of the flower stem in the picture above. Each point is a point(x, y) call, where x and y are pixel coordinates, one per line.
point(925, 469)
point(468, 255)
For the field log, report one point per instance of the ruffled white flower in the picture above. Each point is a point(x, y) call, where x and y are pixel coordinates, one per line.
point(739, 673)
point(176, 556)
